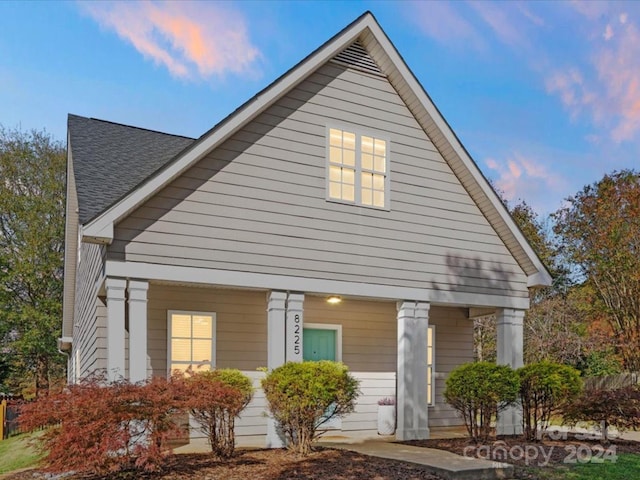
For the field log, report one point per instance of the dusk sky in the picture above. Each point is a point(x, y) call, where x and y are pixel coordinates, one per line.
point(544, 95)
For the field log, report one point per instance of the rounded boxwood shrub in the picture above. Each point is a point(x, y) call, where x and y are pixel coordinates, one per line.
point(545, 388)
point(303, 396)
point(479, 391)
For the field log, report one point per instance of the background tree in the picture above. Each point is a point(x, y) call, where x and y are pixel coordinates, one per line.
point(600, 230)
point(32, 179)
point(553, 330)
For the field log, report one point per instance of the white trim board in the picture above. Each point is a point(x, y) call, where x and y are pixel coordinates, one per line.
point(262, 281)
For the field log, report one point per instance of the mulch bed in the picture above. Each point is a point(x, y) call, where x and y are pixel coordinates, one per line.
point(323, 464)
point(528, 458)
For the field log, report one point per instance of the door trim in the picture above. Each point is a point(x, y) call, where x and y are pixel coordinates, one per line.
point(328, 326)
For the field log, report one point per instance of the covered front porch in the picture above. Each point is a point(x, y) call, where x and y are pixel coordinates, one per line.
point(402, 349)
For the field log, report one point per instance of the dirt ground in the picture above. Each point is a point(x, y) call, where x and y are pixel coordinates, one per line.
point(330, 464)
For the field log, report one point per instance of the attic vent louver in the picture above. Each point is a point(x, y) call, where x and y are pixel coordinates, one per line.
point(357, 56)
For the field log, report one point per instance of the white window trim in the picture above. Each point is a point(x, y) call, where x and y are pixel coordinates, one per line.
point(327, 326)
point(214, 332)
point(358, 166)
point(431, 402)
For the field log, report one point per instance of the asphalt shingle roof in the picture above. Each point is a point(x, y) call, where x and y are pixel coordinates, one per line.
point(110, 160)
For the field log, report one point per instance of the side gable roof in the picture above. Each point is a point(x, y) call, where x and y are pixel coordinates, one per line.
point(372, 37)
point(110, 160)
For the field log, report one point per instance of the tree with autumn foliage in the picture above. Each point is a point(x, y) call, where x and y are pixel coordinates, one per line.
point(600, 232)
point(95, 427)
point(553, 328)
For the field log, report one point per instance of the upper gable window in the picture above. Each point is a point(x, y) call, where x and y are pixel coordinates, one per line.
point(358, 169)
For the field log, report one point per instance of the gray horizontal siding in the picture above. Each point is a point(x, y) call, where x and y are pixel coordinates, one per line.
point(89, 330)
point(257, 203)
point(453, 347)
point(241, 324)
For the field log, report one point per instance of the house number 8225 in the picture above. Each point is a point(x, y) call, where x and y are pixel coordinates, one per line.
point(296, 334)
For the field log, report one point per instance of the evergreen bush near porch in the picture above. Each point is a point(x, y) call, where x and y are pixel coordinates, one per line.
point(545, 387)
point(303, 396)
point(480, 391)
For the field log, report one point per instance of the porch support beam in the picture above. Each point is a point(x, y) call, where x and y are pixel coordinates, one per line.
point(138, 329)
point(115, 289)
point(509, 326)
point(411, 388)
point(276, 323)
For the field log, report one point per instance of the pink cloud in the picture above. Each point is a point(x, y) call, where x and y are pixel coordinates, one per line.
point(607, 88)
point(618, 69)
point(593, 9)
point(608, 33)
point(442, 22)
point(521, 178)
point(536, 20)
point(505, 26)
point(191, 39)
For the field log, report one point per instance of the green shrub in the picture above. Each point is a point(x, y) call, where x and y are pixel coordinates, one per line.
point(479, 391)
point(215, 399)
point(545, 388)
point(303, 396)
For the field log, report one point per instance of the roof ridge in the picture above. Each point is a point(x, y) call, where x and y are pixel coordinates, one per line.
point(132, 126)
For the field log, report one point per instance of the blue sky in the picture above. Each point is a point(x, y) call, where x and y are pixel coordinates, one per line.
point(544, 95)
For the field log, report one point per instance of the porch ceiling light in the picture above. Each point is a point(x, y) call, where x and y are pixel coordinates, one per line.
point(334, 299)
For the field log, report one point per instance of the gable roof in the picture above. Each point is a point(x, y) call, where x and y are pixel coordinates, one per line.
point(110, 160)
point(367, 31)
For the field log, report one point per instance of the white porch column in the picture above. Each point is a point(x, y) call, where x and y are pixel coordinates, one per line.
point(138, 330)
point(294, 327)
point(411, 388)
point(276, 310)
point(510, 346)
point(276, 314)
point(115, 327)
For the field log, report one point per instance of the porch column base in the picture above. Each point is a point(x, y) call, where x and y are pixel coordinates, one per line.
point(509, 329)
point(422, 434)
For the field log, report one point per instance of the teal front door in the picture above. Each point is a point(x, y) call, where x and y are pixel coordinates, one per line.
point(318, 344)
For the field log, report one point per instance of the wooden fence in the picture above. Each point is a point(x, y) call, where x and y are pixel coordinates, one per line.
point(3, 415)
point(609, 382)
point(9, 423)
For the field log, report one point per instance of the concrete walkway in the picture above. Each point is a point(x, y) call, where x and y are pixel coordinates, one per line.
point(443, 463)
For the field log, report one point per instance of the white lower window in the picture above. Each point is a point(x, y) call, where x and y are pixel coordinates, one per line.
point(191, 341)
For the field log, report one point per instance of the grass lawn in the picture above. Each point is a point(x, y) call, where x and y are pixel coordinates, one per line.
point(16, 453)
point(626, 467)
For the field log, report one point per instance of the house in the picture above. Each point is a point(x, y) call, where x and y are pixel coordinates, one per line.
point(340, 181)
